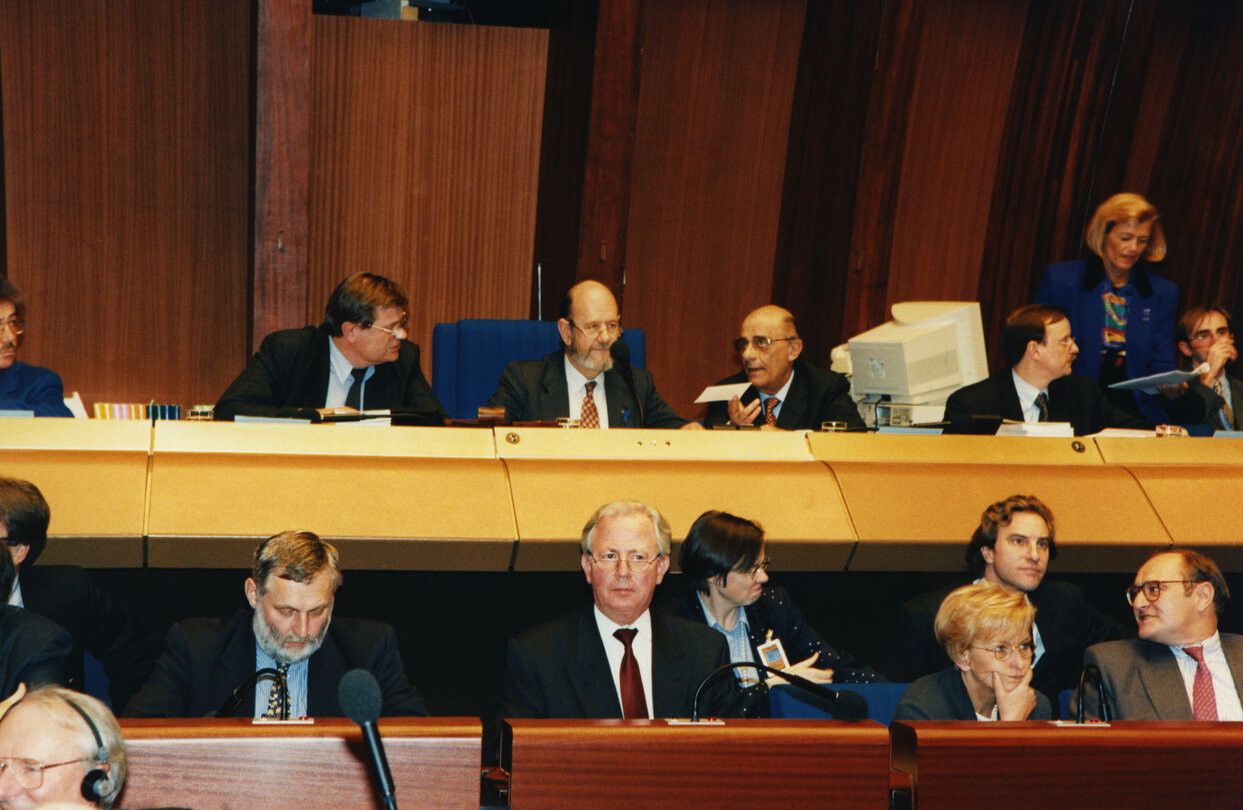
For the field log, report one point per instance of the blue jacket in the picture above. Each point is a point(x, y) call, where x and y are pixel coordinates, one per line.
point(30, 388)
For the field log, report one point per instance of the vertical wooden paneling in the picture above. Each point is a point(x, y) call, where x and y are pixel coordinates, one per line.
point(425, 143)
point(710, 147)
point(125, 136)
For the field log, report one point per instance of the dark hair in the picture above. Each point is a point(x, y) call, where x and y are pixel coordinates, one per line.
point(358, 298)
point(1023, 326)
point(1199, 568)
point(25, 515)
point(716, 544)
point(296, 556)
point(10, 293)
point(998, 515)
point(1192, 316)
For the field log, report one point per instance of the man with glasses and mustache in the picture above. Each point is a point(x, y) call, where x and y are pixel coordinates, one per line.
point(24, 387)
point(617, 659)
point(566, 384)
point(289, 629)
point(1036, 385)
point(357, 359)
point(786, 391)
point(1180, 667)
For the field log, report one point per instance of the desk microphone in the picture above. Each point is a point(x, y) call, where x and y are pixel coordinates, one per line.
point(239, 694)
point(1093, 673)
point(843, 704)
point(360, 699)
point(620, 352)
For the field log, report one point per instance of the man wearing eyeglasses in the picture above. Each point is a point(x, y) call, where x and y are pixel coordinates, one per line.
point(1205, 335)
point(786, 391)
point(567, 384)
point(1180, 667)
point(1036, 385)
point(357, 359)
point(617, 659)
point(24, 387)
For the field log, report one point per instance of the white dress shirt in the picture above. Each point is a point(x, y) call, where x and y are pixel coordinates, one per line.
point(1228, 707)
point(577, 385)
point(641, 645)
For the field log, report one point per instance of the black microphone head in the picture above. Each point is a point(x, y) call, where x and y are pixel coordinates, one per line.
point(359, 696)
point(620, 352)
point(850, 706)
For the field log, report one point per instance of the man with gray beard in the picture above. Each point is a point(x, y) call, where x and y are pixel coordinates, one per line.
point(210, 665)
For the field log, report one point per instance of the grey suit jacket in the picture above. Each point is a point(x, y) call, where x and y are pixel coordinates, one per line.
point(1143, 682)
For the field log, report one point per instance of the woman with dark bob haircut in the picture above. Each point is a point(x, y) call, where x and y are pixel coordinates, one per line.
point(725, 568)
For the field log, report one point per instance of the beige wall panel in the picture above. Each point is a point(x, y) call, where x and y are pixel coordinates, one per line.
point(1198, 510)
point(798, 504)
point(919, 517)
point(1185, 452)
point(650, 445)
point(951, 449)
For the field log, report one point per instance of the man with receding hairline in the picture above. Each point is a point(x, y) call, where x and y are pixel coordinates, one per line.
point(786, 391)
point(24, 387)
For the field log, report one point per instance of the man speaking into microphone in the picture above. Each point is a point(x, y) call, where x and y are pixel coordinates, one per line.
point(210, 665)
point(591, 380)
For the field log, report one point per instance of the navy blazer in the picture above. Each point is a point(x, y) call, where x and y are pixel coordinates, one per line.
point(943, 696)
point(1143, 682)
point(537, 391)
point(816, 395)
point(33, 650)
point(1077, 287)
point(206, 659)
point(290, 372)
point(25, 387)
point(1073, 398)
point(1201, 405)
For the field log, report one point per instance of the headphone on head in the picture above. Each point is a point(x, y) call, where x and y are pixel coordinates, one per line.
point(97, 783)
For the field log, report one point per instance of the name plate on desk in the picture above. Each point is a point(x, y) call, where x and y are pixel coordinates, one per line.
point(644, 445)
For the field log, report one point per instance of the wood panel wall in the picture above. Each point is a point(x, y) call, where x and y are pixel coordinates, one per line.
point(425, 147)
point(126, 154)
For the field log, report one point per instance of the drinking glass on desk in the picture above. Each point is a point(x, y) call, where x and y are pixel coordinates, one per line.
point(201, 413)
point(833, 427)
point(567, 422)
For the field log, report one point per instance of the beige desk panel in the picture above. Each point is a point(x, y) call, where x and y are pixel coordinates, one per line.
point(645, 445)
point(919, 517)
point(1200, 512)
point(94, 477)
point(798, 504)
point(1197, 451)
point(258, 438)
point(898, 447)
point(197, 496)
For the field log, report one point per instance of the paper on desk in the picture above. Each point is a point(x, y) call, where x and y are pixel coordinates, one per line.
point(722, 393)
point(1149, 384)
point(1055, 430)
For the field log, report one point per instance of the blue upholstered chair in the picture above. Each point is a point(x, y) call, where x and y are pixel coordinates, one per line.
point(882, 698)
point(468, 357)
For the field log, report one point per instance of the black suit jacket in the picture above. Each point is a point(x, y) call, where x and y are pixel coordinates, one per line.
point(1143, 682)
point(536, 391)
point(206, 659)
point(1067, 623)
point(33, 650)
point(816, 395)
point(1200, 405)
point(561, 670)
point(775, 612)
point(290, 371)
point(1073, 398)
point(943, 696)
point(69, 596)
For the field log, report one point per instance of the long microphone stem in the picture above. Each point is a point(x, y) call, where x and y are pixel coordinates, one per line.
point(239, 694)
point(847, 710)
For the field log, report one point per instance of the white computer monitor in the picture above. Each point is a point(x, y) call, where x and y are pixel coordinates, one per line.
point(929, 350)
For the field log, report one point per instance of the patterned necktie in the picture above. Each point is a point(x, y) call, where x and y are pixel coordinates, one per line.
point(770, 411)
point(1042, 405)
point(634, 702)
point(1203, 698)
point(590, 416)
point(273, 711)
point(1227, 415)
point(354, 397)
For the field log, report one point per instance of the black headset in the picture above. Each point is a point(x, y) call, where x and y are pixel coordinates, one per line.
point(97, 783)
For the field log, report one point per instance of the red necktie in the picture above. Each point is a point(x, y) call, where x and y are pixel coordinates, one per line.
point(634, 702)
point(590, 417)
point(1203, 698)
point(770, 411)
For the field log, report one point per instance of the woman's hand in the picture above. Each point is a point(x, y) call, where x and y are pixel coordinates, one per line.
point(1016, 703)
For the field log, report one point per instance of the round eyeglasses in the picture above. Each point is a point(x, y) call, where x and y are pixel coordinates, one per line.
point(760, 342)
point(1002, 652)
point(1153, 588)
point(637, 561)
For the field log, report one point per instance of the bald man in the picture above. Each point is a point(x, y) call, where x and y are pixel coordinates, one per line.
point(786, 392)
point(567, 383)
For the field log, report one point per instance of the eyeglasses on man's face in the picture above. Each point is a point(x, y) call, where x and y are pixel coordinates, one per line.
point(1153, 588)
point(1002, 652)
point(29, 772)
point(760, 342)
point(595, 331)
point(636, 560)
point(754, 570)
point(14, 325)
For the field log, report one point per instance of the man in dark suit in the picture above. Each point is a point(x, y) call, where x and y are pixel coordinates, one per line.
point(33, 650)
point(1037, 385)
point(566, 384)
point(617, 659)
point(289, 629)
point(1180, 667)
point(1206, 335)
point(70, 597)
point(802, 396)
point(357, 359)
point(1011, 548)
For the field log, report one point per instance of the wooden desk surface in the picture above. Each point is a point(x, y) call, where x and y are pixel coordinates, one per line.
point(1043, 765)
point(649, 763)
point(236, 764)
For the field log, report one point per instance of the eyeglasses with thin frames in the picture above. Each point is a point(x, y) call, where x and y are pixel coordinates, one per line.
point(1153, 588)
point(14, 325)
point(595, 331)
point(754, 571)
point(760, 342)
point(637, 561)
point(29, 772)
point(1002, 652)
